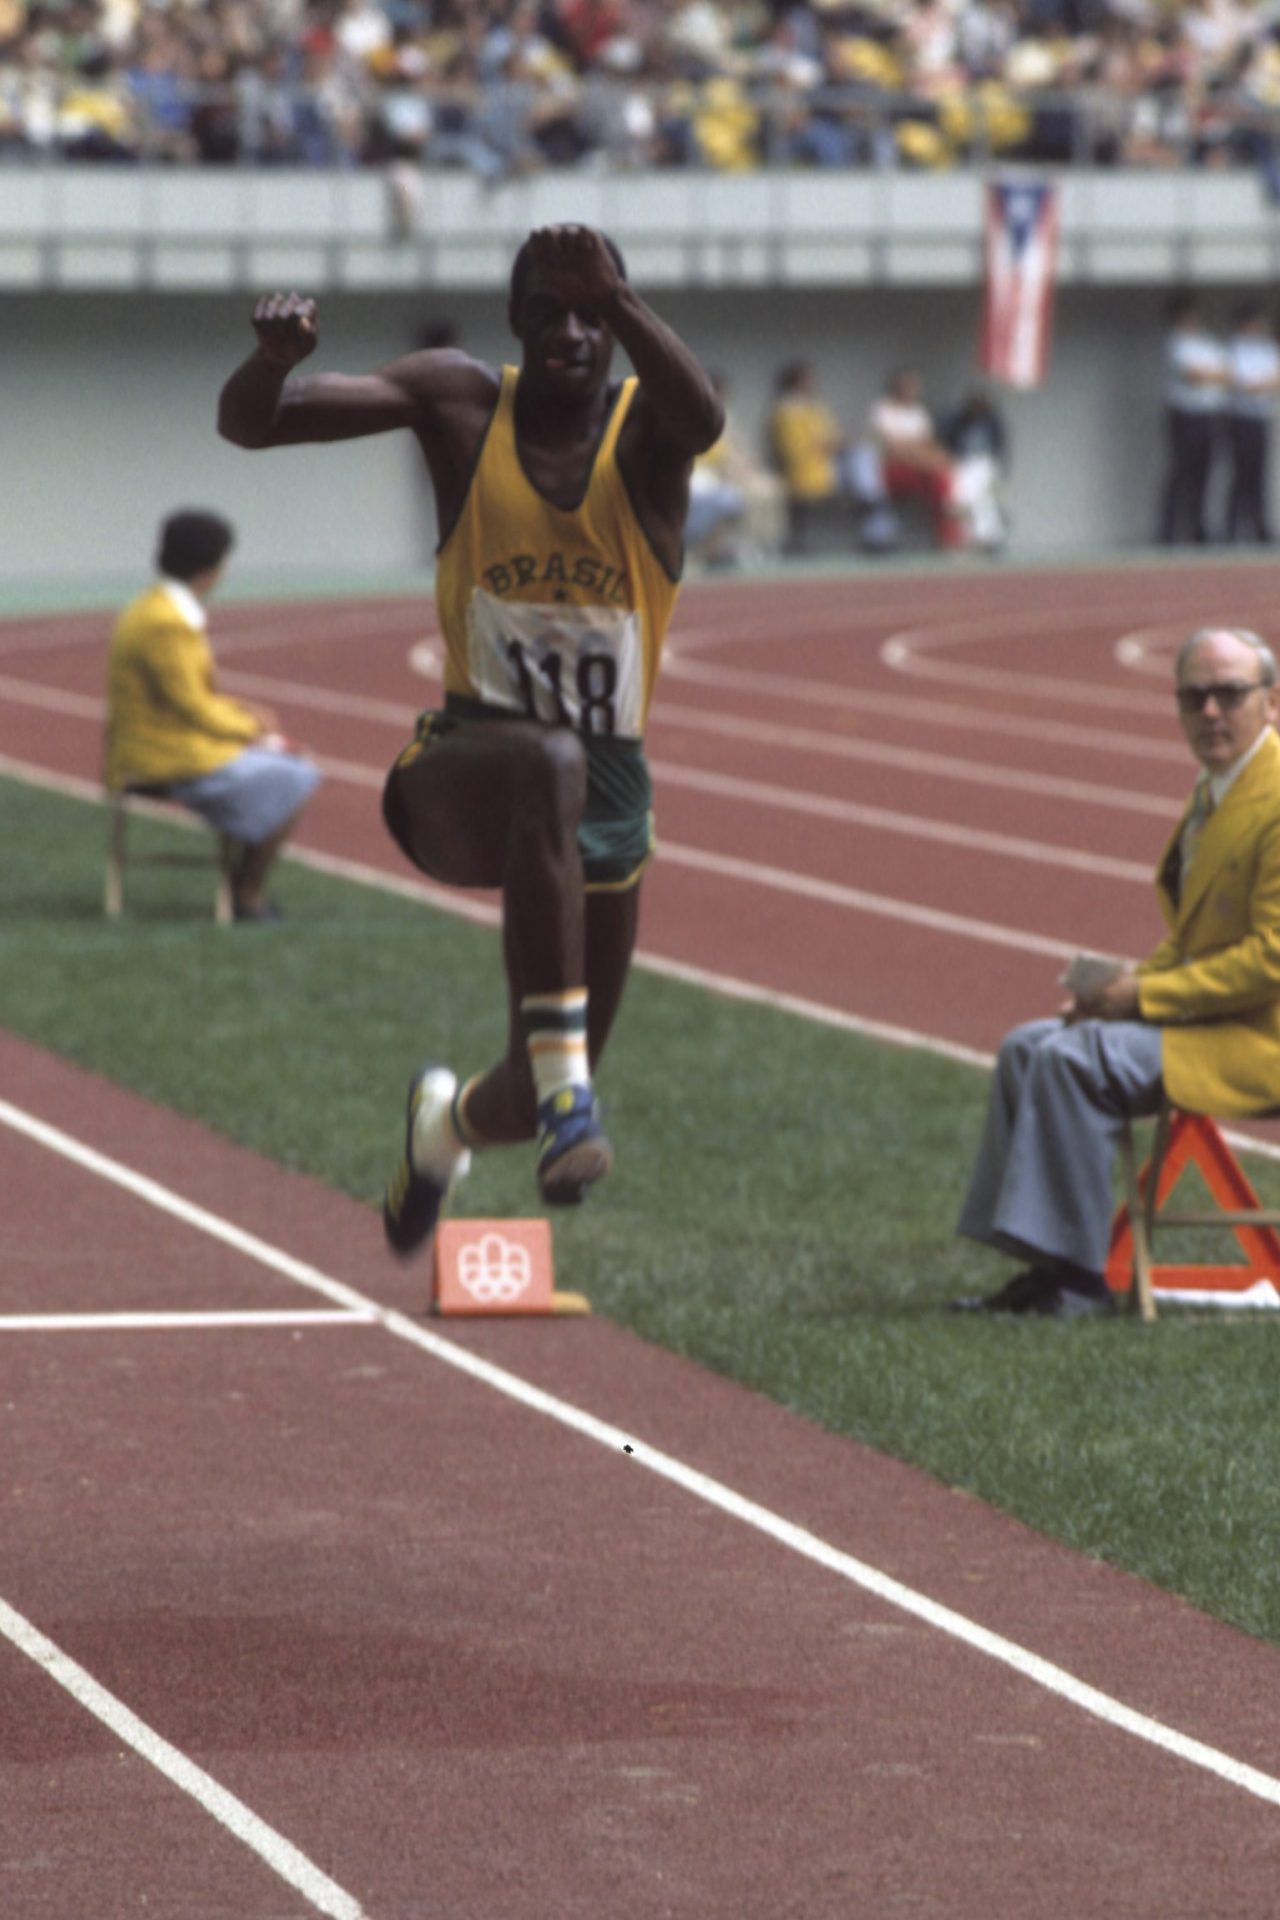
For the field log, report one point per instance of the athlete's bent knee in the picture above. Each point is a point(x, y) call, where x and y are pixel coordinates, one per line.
point(553, 776)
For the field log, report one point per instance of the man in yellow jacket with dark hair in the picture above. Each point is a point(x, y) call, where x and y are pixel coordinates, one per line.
point(169, 729)
point(1199, 1018)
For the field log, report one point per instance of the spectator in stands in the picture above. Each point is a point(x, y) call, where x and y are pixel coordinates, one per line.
point(737, 508)
point(97, 118)
point(916, 83)
point(1195, 382)
point(809, 450)
point(161, 80)
point(169, 728)
point(914, 463)
point(587, 29)
point(329, 116)
point(266, 111)
point(1253, 381)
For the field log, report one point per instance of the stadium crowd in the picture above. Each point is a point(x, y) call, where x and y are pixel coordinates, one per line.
point(505, 87)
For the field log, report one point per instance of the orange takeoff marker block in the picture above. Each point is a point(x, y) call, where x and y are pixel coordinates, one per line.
point(497, 1267)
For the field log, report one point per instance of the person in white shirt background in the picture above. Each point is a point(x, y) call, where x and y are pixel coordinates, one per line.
point(1195, 377)
point(1253, 375)
point(911, 458)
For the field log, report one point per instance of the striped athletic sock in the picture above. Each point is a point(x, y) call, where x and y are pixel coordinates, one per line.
point(555, 1028)
point(468, 1135)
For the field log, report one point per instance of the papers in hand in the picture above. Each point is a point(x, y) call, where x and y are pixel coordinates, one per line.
point(1089, 973)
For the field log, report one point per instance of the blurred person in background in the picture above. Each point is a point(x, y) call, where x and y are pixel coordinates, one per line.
point(914, 463)
point(809, 448)
point(561, 497)
point(161, 76)
point(170, 730)
point(97, 119)
point(975, 435)
point(1253, 381)
point(737, 508)
point(1195, 380)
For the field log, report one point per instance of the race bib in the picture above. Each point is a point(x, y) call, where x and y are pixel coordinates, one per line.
point(578, 667)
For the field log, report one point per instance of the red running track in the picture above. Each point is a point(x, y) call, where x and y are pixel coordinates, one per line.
point(454, 1654)
point(905, 799)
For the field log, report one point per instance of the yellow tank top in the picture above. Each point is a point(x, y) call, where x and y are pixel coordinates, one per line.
point(558, 614)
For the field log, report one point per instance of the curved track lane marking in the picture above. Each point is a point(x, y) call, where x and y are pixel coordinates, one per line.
point(1149, 650)
point(785, 1533)
point(911, 650)
point(284, 1859)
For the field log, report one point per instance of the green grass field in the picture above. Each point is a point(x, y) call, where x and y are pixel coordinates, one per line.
point(781, 1210)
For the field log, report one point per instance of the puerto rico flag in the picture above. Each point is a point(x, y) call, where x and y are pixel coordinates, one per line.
point(1021, 250)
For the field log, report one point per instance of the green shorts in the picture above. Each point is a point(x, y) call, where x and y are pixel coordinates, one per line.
point(616, 835)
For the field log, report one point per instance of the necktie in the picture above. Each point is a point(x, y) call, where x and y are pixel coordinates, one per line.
point(1199, 811)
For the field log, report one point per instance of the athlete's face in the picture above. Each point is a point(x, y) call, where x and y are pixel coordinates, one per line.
point(566, 350)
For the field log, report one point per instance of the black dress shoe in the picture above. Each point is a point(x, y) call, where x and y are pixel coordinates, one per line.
point(1023, 1294)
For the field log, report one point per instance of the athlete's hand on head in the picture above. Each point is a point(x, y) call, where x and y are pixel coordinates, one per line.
point(577, 263)
point(285, 324)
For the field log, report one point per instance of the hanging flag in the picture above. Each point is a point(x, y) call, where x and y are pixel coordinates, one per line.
point(1021, 248)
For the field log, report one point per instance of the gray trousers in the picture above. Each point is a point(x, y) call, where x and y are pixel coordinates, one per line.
point(1041, 1184)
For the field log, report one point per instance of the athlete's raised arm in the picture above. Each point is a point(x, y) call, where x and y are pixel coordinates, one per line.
point(260, 406)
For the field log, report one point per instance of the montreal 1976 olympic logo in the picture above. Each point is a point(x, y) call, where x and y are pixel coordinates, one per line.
point(494, 1270)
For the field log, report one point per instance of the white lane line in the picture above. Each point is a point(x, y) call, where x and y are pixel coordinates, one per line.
point(284, 632)
point(831, 893)
point(284, 1859)
point(166, 1322)
point(861, 620)
point(1150, 650)
point(782, 799)
point(855, 899)
point(28, 693)
point(914, 650)
point(888, 820)
point(25, 641)
point(773, 736)
point(400, 714)
point(727, 986)
point(165, 1201)
point(836, 695)
point(763, 733)
point(481, 912)
point(260, 632)
point(857, 619)
point(700, 1486)
point(749, 991)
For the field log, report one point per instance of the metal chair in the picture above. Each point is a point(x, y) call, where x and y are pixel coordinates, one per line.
point(150, 799)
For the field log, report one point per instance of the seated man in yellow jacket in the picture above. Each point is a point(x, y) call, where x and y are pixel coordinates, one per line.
point(168, 726)
point(1199, 1017)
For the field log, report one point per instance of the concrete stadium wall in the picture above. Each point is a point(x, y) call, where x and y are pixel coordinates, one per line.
point(109, 416)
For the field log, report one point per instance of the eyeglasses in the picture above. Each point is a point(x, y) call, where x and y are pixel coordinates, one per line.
point(1229, 694)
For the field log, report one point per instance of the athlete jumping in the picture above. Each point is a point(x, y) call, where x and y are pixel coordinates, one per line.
point(560, 497)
